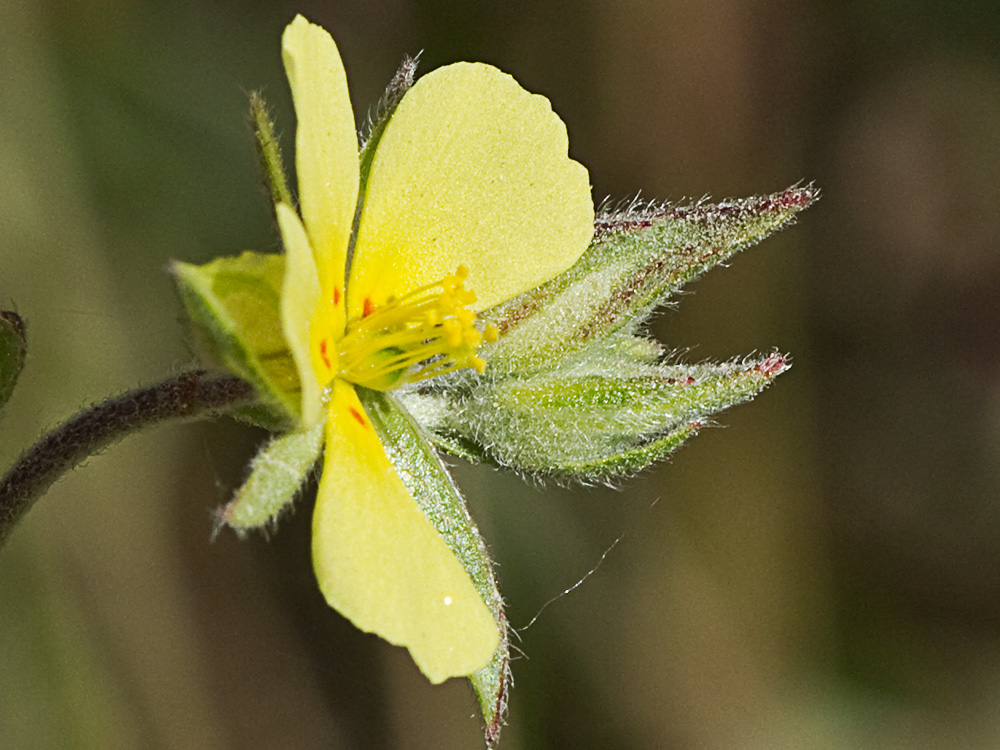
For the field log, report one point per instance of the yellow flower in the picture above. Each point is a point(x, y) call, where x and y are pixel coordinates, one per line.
point(470, 184)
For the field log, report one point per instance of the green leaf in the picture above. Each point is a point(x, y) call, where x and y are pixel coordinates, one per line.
point(588, 423)
point(427, 479)
point(277, 473)
point(13, 350)
point(233, 307)
point(640, 255)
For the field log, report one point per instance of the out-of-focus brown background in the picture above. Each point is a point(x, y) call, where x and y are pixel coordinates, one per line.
point(822, 573)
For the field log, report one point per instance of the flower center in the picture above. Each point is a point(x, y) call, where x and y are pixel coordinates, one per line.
point(425, 333)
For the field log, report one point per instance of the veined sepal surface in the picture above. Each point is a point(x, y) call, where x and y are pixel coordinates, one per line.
point(640, 255)
point(232, 304)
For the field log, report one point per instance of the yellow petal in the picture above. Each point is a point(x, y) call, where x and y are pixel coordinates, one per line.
point(381, 563)
point(326, 144)
point(300, 298)
point(471, 170)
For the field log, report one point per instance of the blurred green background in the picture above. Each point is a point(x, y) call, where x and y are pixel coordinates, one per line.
point(822, 573)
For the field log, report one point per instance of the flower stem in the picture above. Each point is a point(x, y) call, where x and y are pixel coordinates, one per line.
point(189, 395)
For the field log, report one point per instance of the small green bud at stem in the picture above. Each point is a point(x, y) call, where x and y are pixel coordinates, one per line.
point(13, 349)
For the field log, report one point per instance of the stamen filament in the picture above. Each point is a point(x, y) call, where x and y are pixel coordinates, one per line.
point(426, 332)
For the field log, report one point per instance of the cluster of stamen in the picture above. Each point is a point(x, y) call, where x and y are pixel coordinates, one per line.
point(425, 333)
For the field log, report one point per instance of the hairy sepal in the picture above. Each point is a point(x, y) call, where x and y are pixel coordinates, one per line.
point(588, 422)
point(269, 151)
point(393, 95)
point(639, 257)
point(428, 480)
point(277, 473)
point(233, 306)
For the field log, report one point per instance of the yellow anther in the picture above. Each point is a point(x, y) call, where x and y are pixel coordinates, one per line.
point(424, 333)
point(453, 332)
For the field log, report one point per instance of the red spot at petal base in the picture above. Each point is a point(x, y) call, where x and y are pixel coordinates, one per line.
point(336, 295)
point(357, 415)
point(323, 354)
point(369, 307)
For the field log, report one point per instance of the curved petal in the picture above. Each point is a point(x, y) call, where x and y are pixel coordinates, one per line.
point(326, 145)
point(471, 170)
point(381, 563)
point(300, 298)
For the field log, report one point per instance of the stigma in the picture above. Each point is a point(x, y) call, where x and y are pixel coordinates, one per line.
point(420, 335)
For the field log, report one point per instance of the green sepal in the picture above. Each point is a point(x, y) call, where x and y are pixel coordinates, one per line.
point(269, 151)
point(428, 480)
point(13, 350)
point(234, 308)
point(632, 460)
point(393, 95)
point(587, 423)
point(277, 473)
point(639, 257)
